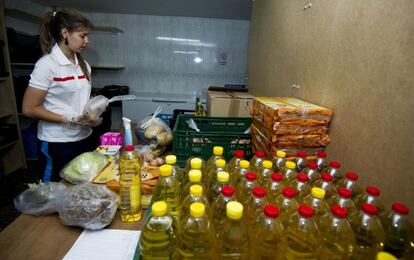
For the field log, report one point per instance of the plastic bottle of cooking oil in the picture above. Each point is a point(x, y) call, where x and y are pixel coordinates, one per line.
point(269, 235)
point(289, 171)
point(217, 154)
point(344, 199)
point(278, 160)
point(385, 256)
point(239, 173)
point(300, 160)
point(303, 240)
point(158, 238)
point(399, 233)
point(199, 109)
point(195, 164)
point(287, 204)
point(130, 185)
point(301, 185)
point(321, 160)
point(256, 161)
point(334, 169)
point(235, 161)
point(245, 187)
point(371, 196)
point(233, 240)
point(210, 177)
point(338, 240)
point(177, 172)
point(369, 233)
point(222, 179)
point(317, 201)
point(218, 207)
point(311, 170)
point(254, 205)
point(194, 177)
point(195, 153)
point(196, 237)
point(326, 183)
point(264, 172)
point(195, 195)
point(350, 182)
point(275, 186)
point(169, 190)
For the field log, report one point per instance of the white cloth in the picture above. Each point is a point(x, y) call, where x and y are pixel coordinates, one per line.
point(68, 90)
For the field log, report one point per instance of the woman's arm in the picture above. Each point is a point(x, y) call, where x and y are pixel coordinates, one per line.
point(33, 106)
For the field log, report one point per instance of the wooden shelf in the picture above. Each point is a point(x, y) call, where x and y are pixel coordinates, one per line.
point(3, 78)
point(28, 17)
point(23, 65)
point(4, 146)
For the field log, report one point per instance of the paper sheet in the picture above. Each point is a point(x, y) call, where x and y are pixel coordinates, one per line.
point(106, 244)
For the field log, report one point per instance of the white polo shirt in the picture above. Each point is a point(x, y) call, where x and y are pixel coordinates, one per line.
point(68, 90)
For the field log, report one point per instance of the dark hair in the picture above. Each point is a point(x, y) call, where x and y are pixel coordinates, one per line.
point(54, 22)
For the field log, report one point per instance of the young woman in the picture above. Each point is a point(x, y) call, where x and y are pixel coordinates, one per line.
point(59, 88)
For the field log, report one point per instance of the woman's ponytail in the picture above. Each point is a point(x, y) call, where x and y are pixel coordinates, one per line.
point(46, 33)
point(83, 66)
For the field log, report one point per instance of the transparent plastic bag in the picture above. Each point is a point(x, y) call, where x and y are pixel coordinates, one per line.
point(97, 105)
point(153, 131)
point(88, 206)
point(84, 167)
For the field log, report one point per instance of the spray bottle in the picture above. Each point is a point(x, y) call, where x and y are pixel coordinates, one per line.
point(128, 133)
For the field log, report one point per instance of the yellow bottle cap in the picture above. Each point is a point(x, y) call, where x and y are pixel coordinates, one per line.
point(234, 210)
point(196, 163)
point(166, 170)
point(159, 208)
point(290, 165)
point(281, 154)
point(318, 192)
point(244, 164)
point(220, 163)
point(223, 176)
point(218, 150)
point(194, 175)
point(267, 164)
point(197, 209)
point(385, 256)
point(196, 190)
point(170, 159)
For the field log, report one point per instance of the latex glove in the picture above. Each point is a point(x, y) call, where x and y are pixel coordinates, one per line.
point(83, 120)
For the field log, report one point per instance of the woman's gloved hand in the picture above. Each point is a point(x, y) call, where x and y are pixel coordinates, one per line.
point(83, 119)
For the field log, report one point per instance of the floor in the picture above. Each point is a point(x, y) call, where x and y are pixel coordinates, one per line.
point(11, 186)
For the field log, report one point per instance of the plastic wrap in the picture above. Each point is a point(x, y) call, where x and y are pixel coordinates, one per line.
point(84, 167)
point(88, 206)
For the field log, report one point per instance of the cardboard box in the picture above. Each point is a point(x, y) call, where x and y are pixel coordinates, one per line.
point(229, 103)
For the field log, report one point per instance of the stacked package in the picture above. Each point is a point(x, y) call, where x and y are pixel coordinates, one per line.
point(289, 124)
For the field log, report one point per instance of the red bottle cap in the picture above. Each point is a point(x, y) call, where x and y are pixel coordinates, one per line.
point(301, 154)
point(277, 176)
point(374, 191)
point(345, 193)
point(239, 154)
point(129, 148)
point(351, 176)
point(302, 177)
point(227, 190)
point(335, 165)
point(400, 208)
point(259, 192)
point(271, 211)
point(289, 192)
point(321, 154)
point(251, 176)
point(326, 177)
point(260, 154)
point(312, 165)
point(339, 211)
point(369, 209)
point(305, 211)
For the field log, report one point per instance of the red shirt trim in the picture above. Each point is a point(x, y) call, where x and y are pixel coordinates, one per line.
point(82, 77)
point(64, 79)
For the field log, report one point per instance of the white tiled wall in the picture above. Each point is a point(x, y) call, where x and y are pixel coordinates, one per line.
point(165, 65)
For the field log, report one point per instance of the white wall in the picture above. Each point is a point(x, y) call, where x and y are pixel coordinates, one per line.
point(151, 64)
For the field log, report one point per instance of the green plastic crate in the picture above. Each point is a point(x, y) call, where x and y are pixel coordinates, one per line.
point(227, 132)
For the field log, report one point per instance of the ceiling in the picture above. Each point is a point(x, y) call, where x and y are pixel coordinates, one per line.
point(223, 9)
